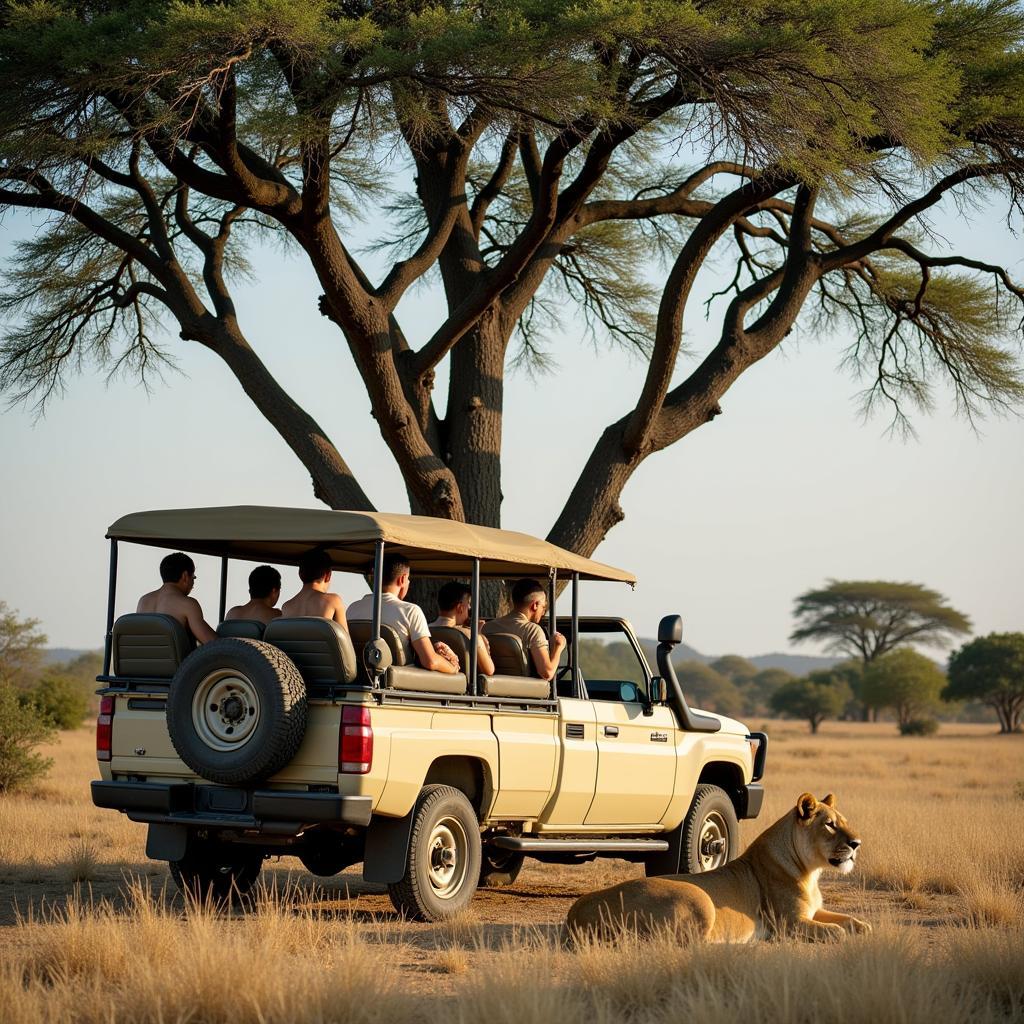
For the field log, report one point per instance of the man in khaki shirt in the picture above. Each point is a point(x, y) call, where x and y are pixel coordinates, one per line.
point(529, 605)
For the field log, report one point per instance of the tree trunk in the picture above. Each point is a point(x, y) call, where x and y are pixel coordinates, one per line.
point(814, 725)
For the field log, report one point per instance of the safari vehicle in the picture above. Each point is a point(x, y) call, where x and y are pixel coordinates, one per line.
point(302, 739)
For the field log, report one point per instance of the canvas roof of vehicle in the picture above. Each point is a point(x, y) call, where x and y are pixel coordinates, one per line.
point(434, 547)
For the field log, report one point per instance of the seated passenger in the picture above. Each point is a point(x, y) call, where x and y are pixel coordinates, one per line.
point(529, 604)
point(406, 619)
point(315, 598)
point(453, 611)
point(178, 573)
point(264, 593)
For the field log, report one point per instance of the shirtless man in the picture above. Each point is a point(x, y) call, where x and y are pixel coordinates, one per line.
point(529, 606)
point(453, 611)
point(315, 597)
point(178, 572)
point(264, 593)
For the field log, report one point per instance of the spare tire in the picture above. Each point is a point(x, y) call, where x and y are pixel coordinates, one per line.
point(236, 711)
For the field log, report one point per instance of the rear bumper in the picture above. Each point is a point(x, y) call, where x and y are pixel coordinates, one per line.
point(272, 811)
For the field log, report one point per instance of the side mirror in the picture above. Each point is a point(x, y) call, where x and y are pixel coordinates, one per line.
point(659, 690)
point(670, 630)
point(629, 693)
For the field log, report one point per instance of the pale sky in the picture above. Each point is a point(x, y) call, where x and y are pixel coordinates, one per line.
point(787, 488)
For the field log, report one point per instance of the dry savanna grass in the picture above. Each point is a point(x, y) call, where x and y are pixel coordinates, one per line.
point(88, 931)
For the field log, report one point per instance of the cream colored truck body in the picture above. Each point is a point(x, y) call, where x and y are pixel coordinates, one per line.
point(534, 774)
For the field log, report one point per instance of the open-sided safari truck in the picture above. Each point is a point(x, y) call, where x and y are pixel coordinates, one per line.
point(303, 739)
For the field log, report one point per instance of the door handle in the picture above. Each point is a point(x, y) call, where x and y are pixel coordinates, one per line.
point(611, 730)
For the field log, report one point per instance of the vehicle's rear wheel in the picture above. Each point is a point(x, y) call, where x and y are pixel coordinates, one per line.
point(236, 711)
point(217, 871)
point(711, 833)
point(442, 865)
point(499, 867)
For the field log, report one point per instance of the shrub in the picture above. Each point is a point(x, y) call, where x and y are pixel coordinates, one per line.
point(22, 728)
point(61, 699)
point(919, 727)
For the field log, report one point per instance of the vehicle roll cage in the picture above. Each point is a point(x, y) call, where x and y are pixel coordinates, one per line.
point(378, 572)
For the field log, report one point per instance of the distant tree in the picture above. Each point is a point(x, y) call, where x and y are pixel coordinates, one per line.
point(708, 689)
point(21, 648)
point(738, 669)
point(990, 669)
point(905, 681)
point(866, 619)
point(814, 698)
point(61, 699)
point(22, 728)
point(757, 692)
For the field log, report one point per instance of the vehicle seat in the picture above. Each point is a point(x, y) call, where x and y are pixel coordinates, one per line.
point(508, 655)
point(456, 640)
point(147, 645)
point(243, 629)
point(401, 675)
point(515, 686)
point(321, 649)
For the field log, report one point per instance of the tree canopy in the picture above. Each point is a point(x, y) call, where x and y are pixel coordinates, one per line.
point(868, 618)
point(990, 669)
point(535, 161)
point(21, 648)
point(905, 681)
point(814, 697)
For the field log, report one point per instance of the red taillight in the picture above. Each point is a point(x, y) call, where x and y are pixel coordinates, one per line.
point(355, 750)
point(104, 728)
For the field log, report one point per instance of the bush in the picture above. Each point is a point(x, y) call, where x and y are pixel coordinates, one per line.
point(919, 727)
point(22, 728)
point(61, 699)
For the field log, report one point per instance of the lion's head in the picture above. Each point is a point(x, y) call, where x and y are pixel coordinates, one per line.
point(823, 836)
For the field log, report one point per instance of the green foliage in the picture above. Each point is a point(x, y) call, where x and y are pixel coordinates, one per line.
point(905, 681)
point(814, 697)
point(61, 699)
point(21, 648)
point(867, 618)
point(991, 669)
point(22, 729)
point(738, 669)
point(705, 688)
point(919, 727)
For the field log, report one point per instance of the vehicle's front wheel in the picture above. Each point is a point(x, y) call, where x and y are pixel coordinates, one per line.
point(711, 833)
point(217, 871)
point(443, 862)
point(499, 867)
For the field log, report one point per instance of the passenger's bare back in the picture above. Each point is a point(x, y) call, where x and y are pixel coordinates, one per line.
point(169, 600)
point(318, 603)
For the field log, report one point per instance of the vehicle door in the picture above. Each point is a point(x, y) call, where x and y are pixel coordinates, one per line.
point(577, 764)
point(636, 752)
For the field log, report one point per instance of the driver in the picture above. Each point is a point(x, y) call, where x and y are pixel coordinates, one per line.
point(529, 604)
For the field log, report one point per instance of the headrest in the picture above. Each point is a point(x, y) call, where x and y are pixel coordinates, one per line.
point(321, 649)
point(244, 629)
point(149, 645)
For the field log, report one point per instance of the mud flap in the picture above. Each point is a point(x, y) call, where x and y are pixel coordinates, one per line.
point(667, 862)
point(387, 849)
point(166, 842)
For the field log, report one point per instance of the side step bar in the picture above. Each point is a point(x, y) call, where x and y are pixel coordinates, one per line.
point(578, 845)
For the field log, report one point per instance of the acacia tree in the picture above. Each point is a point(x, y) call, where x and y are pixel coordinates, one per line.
point(991, 669)
point(555, 149)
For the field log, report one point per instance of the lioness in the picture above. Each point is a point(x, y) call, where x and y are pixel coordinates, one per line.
point(771, 889)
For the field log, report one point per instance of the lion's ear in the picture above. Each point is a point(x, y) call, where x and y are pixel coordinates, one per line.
point(829, 800)
point(806, 805)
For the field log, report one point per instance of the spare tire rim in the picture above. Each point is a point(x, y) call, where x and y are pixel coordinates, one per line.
point(713, 846)
point(225, 710)
point(448, 851)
